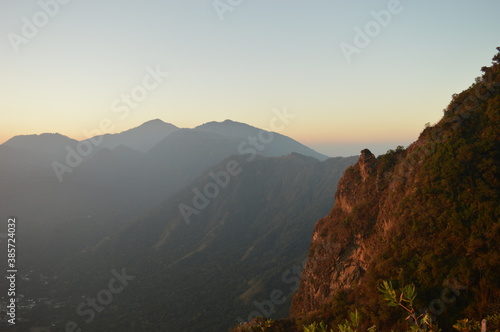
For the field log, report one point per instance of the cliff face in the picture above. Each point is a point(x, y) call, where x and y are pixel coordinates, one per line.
point(426, 215)
point(344, 243)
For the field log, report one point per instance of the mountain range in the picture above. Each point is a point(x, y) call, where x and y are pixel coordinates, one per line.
point(128, 174)
point(86, 207)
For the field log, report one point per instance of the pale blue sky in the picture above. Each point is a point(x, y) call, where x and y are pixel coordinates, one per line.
point(263, 55)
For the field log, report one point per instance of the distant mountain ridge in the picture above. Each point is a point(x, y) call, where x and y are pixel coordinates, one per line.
point(141, 138)
point(146, 136)
point(279, 144)
point(48, 144)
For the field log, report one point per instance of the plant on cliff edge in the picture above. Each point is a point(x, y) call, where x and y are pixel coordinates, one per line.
point(315, 327)
point(405, 300)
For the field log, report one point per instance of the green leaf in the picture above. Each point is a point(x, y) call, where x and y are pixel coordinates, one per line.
point(388, 292)
point(409, 294)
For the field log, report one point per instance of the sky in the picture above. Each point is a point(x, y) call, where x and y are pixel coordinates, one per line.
point(353, 74)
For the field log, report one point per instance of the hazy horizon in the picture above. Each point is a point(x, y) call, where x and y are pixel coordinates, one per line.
point(341, 149)
point(190, 63)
